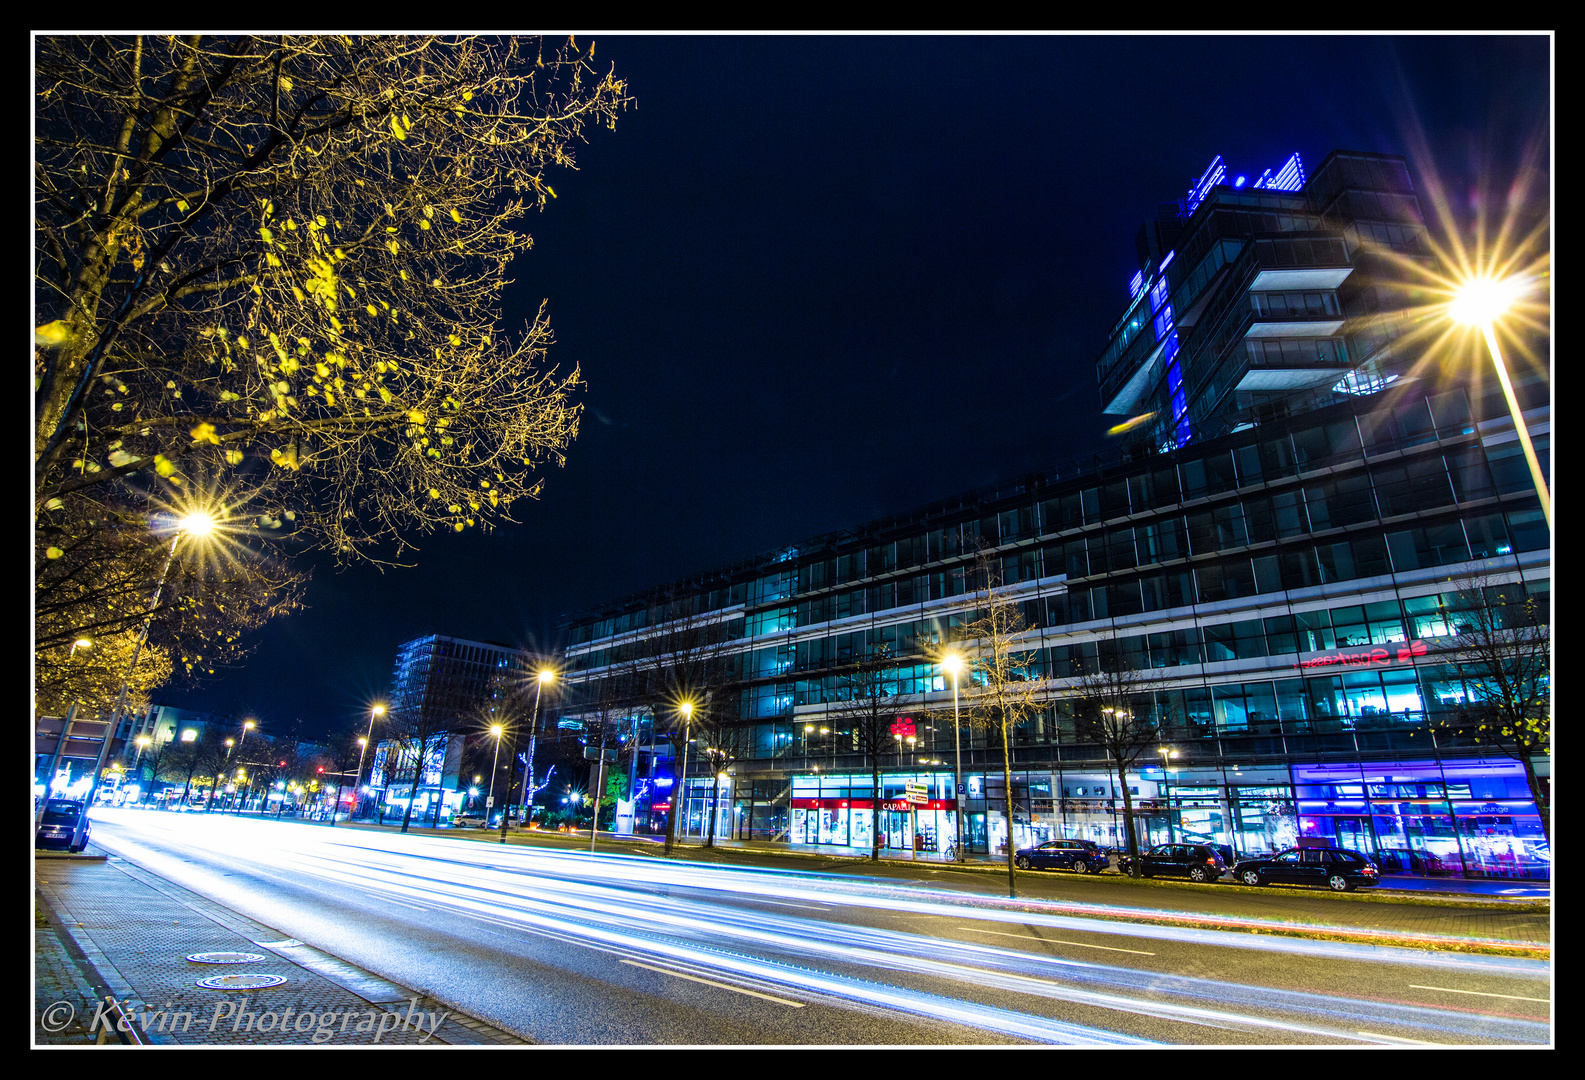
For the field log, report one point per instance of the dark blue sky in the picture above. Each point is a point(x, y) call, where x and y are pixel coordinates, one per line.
point(814, 280)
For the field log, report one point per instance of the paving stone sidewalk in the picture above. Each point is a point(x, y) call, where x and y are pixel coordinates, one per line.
point(108, 928)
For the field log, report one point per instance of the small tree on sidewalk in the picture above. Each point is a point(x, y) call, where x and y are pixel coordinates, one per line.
point(1004, 690)
point(1501, 648)
point(1110, 711)
point(866, 707)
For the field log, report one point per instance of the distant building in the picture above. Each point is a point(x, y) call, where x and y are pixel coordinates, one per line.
point(440, 685)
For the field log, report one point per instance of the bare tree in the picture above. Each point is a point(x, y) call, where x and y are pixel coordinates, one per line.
point(866, 706)
point(1501, 647)
point(1004, 689)
point(1109, 712)
point(723, 739)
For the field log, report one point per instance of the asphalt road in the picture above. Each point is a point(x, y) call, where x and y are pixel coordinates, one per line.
point(566, 948)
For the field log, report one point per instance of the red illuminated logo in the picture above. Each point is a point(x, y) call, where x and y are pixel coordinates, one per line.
point(1380, 656)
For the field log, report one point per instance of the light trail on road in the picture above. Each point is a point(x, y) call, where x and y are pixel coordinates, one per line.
point(707, 925)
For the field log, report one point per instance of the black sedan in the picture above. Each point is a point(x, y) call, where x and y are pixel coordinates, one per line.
point(58, 826)
point(1081, 855)
point(1197, 862)
point(1335, 868)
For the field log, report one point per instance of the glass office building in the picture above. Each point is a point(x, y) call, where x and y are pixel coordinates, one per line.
point(1276, 552)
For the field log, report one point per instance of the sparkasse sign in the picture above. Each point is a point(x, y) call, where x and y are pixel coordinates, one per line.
point(1377, 656)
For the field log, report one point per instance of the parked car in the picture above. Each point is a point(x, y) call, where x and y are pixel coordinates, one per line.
point(1084, 856)
point(1337, 868)
point(1224, 850)
point(1197, 862)
point(467, 821)
point(58, 825)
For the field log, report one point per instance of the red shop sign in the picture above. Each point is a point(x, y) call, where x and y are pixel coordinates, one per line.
point(1380, 656)
point(903, 726)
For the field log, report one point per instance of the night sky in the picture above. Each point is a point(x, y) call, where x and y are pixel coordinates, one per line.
point(812, 281)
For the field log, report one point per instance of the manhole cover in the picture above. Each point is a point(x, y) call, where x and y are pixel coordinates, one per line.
point(226, 957)
point(241, 981)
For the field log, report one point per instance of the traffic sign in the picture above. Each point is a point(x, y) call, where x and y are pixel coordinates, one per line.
point(917, 794)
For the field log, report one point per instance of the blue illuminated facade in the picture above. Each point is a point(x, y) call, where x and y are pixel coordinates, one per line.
point(1276, 559)
point(1254, 293)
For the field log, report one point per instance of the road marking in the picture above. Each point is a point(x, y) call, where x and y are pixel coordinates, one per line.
point(1054, 941)
point(1477, 993)
point(710, 982)
point(783, 903)
point(1397, 1039)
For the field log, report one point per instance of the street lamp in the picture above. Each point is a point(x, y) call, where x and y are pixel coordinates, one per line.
point(680, 798)
point(952, 663)
point(1479, 302)
point(247, 726)
point(197, 524)
point(545, 676)
point(1167, 754)
point(495, 763)
point(363, 748)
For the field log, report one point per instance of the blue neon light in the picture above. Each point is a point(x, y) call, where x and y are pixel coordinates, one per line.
point(1214, 174)
point(1168, 260)
point(1136, 284)
point(1289, 178)
point(1158, 295)
point(1240, 181)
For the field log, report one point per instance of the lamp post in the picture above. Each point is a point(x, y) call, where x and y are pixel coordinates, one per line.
point(495, 764)
point(1479, 302)
point(1167, 754)
point(681, 798)
point(952, 664)
point(247, 726)
point(363, 748)
point(545, 676)
point(197, 524)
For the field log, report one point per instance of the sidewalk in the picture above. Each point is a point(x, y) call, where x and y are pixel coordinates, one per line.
point(106, 928)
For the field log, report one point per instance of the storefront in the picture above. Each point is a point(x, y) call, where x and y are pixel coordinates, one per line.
point(1470, 818)
point(841, 811)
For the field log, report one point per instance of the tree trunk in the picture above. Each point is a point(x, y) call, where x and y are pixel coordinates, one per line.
point(678, 792)
point(1128, 820)
point(875, 808)
point(710, 808)
point(1535, 793)
point(1007, 779)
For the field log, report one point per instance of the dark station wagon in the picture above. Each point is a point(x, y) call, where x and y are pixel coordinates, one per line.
point(1082, 855)
point(1336, 868)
